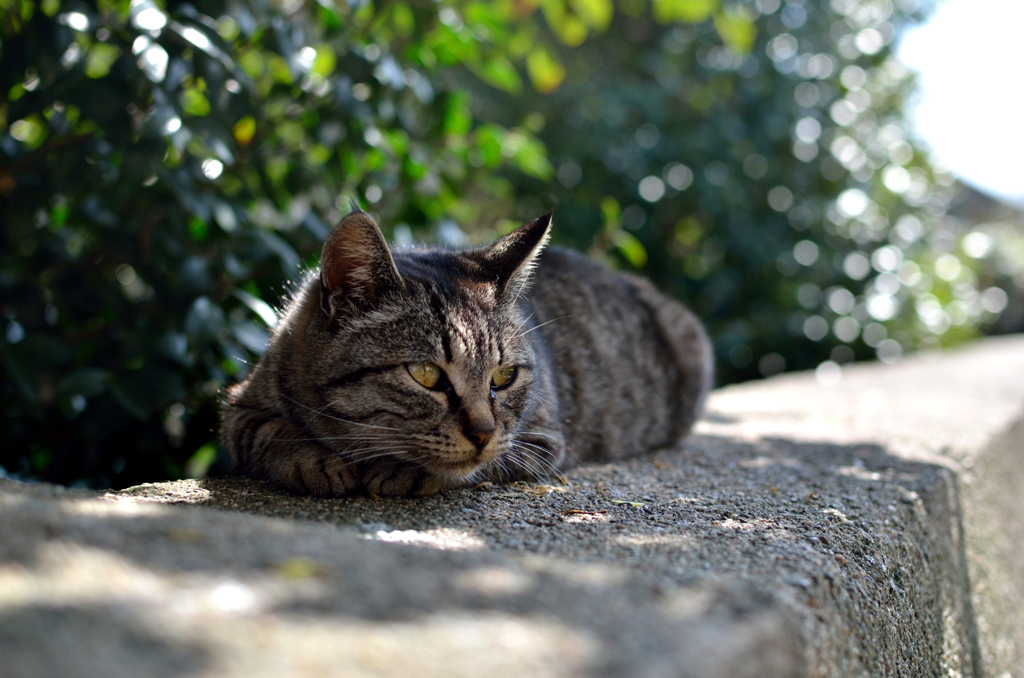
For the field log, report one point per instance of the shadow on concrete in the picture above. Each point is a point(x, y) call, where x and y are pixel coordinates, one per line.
point(841, 547)
point(90, 641)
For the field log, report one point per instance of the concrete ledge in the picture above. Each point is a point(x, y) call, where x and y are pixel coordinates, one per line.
point(872, 528)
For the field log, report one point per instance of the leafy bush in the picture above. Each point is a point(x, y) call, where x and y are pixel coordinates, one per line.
point(166, 168)
point(776, 189)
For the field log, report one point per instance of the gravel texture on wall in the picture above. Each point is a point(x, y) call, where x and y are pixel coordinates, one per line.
point(868, 528)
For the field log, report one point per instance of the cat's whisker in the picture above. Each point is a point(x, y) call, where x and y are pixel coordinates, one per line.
point(316, 440)
point(331, 416)
point(530, 460)
point(545, 401)
point(402, 454)
point(366, 455)
point(525, 320)
point(527, 465)
point(354, 439)
point(541, 456)
point(523, 286)
point(375, 448)
point(537, 327)
point(503, 468)
point(538, 433)
point(532, 446)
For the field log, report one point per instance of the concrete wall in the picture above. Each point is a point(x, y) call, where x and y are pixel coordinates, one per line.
point(870, 528)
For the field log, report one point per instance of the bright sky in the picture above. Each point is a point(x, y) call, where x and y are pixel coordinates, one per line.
point(970, 56)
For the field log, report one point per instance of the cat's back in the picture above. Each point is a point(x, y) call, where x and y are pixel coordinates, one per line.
point(632, 367)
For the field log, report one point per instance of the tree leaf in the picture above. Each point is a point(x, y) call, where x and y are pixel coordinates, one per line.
point(500, 73)
point(546, 73)
point(596, 14)
point(101, 57)
point(736, 29)
point(631, 248)
point(691, 11)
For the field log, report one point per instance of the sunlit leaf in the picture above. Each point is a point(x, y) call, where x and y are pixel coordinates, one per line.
point(254, 63)
point(244, 130)
point(570, 28)
point(30, 131)
point(451, 47)
point(528, 153)
point(488, 140)
point(500, 73)
point(374, 160)
point(258, 306)
point(402, 18)
point(397, 140)
point(736, 29)
point(325, 61)
point(631, 248)
point(194, 102)
point(457, 117)
point(317, 155)
point(200, 462)
point(612, 213)
point(414, 170)
point(692, 11)
point(595, 13)
point(250, 335)
point(546, 73)
point(278, 69)
point(101, 57)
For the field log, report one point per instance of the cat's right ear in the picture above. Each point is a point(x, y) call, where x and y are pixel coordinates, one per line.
point(356, 268)
point(511, 259)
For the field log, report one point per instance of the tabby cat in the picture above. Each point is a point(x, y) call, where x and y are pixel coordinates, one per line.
point(408, 372)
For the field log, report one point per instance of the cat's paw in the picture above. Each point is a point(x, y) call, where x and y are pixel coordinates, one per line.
point(317, 471)
point(399, 480)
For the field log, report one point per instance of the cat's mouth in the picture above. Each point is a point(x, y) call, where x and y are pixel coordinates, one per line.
point(462, 469)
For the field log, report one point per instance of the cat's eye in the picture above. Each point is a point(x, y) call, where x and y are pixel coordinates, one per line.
point(427, 374)
point(503, 376)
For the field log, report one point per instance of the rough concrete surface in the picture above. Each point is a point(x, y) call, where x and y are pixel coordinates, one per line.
point(872, 528)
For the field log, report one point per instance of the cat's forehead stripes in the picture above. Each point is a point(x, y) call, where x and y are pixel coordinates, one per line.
point(471, 342)
point(457, 315)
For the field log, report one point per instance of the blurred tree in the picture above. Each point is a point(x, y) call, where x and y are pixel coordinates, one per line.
point(165, 168)
point(758, 164)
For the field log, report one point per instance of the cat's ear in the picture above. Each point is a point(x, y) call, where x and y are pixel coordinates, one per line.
point(356, 268)
point(511, 258)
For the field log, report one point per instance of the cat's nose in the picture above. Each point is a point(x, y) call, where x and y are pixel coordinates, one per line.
point(480, 435)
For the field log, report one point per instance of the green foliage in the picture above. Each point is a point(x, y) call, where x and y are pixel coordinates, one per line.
point(753, 159)
point(166, 167)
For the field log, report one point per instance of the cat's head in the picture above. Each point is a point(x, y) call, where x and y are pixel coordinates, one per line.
point(418, 356)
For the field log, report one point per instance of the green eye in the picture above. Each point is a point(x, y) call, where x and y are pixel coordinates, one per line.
point(427, 374)
point(503, 376)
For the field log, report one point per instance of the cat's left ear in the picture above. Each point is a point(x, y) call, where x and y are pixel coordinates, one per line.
point(512, 258)
point(356, 268)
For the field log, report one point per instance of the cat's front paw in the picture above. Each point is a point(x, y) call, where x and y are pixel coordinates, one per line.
point(317, 471)
point(399, 480)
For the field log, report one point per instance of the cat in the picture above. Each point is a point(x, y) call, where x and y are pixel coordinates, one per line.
point(407, 372)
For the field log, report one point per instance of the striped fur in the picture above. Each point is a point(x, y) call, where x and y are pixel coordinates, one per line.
point(607, 367)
